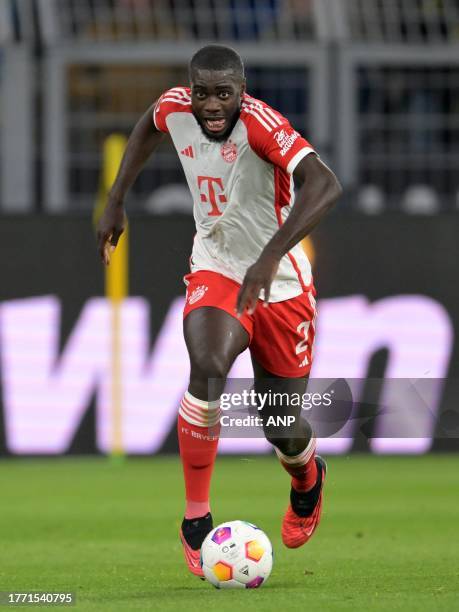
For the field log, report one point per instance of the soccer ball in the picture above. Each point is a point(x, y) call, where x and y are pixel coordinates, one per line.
point(237, 555)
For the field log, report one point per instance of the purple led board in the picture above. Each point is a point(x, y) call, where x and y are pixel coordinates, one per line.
point(46, 391)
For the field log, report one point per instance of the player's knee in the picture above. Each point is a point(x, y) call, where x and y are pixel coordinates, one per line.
point(209, 366)
point(290, 439)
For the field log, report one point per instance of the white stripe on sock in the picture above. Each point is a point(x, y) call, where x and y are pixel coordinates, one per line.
point(198, 419)
point(201, 403)
point(300, 459)
point(199, 412)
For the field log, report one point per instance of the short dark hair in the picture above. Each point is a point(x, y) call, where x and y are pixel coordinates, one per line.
point(217, 57)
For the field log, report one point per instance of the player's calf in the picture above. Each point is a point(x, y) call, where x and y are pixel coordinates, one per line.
point(198, 429)
point(308, 475)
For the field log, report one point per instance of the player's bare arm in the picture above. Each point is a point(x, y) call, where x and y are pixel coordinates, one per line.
point(143, 140)
point(319, 191)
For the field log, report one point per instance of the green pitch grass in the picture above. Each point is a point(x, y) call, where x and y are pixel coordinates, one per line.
point(388, 538)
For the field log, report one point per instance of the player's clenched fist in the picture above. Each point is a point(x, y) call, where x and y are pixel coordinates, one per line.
point(109, 229)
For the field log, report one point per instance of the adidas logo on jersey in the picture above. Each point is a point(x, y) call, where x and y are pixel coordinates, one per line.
point(188, 152)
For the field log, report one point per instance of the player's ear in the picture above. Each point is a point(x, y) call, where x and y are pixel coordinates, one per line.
point(243, 88)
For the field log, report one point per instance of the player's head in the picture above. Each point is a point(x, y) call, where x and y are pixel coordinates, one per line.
point(217, 88)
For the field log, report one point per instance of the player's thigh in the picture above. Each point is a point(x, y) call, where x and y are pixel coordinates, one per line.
point(285, 393)
point(263, 378)
point(284, 422)
point(213, 334)
point(214, 339)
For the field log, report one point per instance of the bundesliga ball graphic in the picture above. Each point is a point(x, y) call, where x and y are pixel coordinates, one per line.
point(236, 555)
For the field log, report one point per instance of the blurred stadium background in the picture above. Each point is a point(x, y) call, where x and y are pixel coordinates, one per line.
point(373, 84)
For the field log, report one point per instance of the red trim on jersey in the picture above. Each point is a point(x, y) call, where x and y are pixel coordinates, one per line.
point(282, 197)
point(175, 100)
point(270, 135)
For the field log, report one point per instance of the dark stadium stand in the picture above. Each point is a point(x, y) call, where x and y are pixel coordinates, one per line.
point(372, 84)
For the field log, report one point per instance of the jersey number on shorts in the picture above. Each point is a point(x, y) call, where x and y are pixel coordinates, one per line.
point(211, 190)
point(303, 328)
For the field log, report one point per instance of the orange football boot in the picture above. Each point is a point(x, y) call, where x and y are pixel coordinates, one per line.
point(192, 557)
point(296, 529)
point(196, 530)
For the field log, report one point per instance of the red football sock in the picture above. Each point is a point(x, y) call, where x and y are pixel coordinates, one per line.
point(302, 468)
point(198, 428)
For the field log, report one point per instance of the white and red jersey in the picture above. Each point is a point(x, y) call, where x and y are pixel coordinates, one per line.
point(242, 188)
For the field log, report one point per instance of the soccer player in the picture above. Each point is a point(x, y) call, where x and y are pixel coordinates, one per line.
point(250, 282)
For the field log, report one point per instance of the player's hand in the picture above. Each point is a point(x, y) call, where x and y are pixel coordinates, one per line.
point(109, 229)
point(259, 276)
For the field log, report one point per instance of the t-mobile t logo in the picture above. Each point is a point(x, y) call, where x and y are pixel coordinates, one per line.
point(211, 190)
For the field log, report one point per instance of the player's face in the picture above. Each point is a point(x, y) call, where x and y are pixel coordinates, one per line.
point(216, 97)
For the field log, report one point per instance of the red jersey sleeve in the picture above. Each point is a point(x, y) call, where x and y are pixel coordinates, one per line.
point(177, 99)
point(272, 137)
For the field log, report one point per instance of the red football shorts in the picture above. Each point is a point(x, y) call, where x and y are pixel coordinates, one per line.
point(281, 337)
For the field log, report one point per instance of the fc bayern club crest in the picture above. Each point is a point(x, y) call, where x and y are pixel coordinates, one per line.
point(229, 152)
